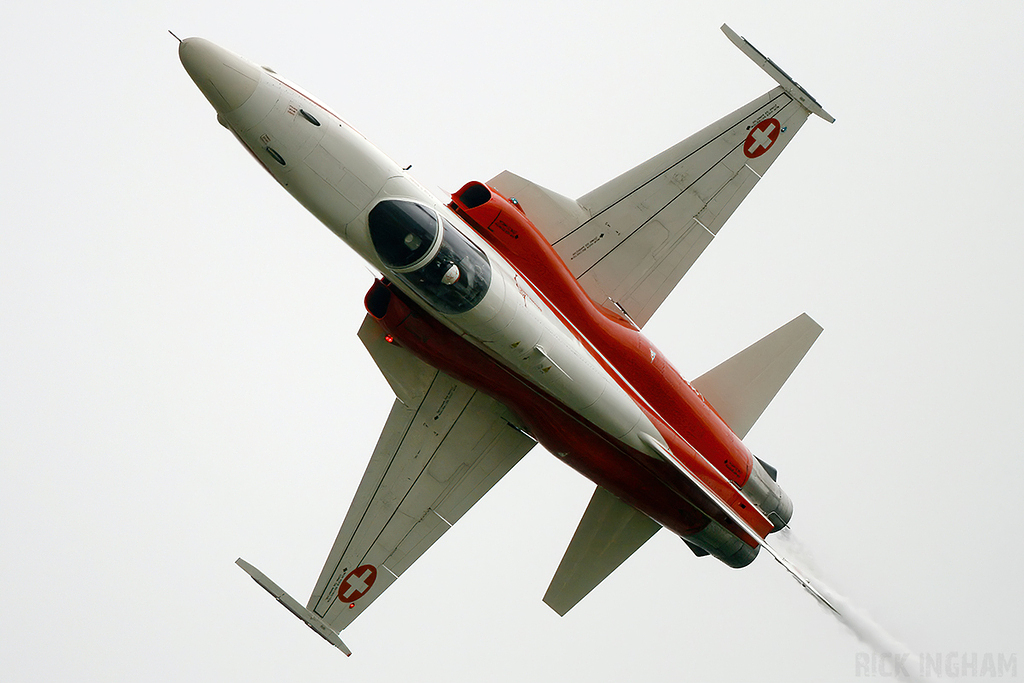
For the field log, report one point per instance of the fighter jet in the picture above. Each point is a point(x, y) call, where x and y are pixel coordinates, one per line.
point(509, 315)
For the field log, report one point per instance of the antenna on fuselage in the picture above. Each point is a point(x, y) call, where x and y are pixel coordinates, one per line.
point(172, 33)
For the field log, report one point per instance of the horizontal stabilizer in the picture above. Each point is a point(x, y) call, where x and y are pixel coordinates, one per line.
point(292, 605)
point(608, 534)
point(742, 387)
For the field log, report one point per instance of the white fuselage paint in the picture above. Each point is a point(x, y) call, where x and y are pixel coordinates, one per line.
point(338, 175)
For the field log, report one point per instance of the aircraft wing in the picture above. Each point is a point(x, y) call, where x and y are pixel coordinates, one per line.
point(444, 445)
point(630, 241)
point(650, 224)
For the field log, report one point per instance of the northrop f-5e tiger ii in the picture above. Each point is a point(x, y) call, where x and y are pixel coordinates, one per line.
point(509, 315)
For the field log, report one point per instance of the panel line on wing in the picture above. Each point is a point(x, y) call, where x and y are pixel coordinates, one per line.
point(659, 212)
point(681, 193)
point(398, 506)
point(654, 177)
point(441, 517)
point(392, 462)
point(383, 478)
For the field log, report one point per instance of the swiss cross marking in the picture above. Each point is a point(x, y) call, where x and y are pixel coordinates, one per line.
point(357, 583)
point(761, 138)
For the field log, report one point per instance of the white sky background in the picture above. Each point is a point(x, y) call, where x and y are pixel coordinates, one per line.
point(181, 384)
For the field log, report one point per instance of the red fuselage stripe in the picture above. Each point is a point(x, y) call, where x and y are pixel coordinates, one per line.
point(696, 433)
point(645, 482)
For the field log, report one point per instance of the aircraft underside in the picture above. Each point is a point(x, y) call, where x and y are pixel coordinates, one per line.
point(511, 315)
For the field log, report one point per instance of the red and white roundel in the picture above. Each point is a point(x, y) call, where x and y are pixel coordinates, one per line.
point(358, 583)
point(762, 137)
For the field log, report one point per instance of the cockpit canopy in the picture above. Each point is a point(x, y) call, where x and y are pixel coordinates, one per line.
point(426, 252)
point(402, 232)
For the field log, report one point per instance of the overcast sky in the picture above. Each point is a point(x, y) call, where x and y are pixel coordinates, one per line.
point(181, 384)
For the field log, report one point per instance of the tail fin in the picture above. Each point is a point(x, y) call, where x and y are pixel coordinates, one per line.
point(743, 386)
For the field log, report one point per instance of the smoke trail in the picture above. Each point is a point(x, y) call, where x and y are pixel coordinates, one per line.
point(893, 657)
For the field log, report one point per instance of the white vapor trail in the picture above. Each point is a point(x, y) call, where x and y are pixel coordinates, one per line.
point(893, 657)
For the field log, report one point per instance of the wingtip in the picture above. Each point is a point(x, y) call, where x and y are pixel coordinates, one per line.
point(314, 622)
point(795, 90)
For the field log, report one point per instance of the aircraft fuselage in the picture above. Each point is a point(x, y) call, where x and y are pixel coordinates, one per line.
point(472, 288)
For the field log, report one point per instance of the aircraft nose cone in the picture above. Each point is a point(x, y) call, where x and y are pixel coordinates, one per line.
point(226, 79)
